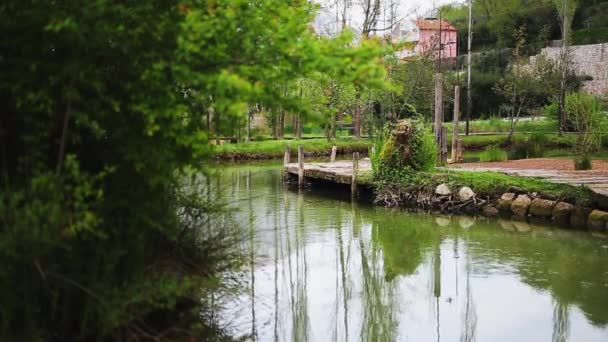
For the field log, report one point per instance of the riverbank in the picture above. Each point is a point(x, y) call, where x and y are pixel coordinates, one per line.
point(492, 194)
point(275, 149)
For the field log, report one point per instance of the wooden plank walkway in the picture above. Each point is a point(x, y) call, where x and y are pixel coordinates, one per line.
point(339, 171)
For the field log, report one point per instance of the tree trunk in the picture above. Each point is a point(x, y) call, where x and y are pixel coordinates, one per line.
point(281, 124)
point(357, 115)
point(333, 126)
point(300, 124)
point(64, 136)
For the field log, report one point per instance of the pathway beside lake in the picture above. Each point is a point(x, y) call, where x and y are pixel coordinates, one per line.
point(551, 170)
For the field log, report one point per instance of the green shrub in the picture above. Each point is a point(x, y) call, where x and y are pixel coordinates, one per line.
point(536, 143)
point(376, 149)
point(552, 110)
point(590, 36)
point(585, 117)
point(391, 165)
point(424, 150)
point(493, 153)
point(583, 163)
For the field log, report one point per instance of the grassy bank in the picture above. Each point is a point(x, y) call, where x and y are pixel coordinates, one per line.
point(478, 142)
point(491, 184)
point(275, 148)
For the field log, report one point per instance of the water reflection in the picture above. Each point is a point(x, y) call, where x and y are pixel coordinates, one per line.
point(327, 269)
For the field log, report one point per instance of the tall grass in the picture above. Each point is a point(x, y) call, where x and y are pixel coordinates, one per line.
point(375, 150)
point(493, 153)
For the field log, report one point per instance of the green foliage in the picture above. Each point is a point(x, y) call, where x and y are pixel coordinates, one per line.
point(552, 110)
point(590, 36)
point(584, 116)
point(583, 162)
point(275, 148)
point(493, 153)
point(494, 21)
point(392, 166)
point(114, 241)
point(374, 154)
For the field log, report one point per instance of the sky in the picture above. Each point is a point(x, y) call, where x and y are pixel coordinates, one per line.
point(408, 10)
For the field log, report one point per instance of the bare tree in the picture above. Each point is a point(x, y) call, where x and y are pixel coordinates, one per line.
point(566, 9)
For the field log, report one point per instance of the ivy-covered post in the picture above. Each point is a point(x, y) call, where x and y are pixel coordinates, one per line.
point(334, 151)
point(301, 166)
point(353, 183)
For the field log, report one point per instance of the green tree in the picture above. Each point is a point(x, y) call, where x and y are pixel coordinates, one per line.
point(107, 111)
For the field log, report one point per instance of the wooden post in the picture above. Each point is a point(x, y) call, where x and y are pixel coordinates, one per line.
point(301, 166)
point(455, 124)
point(353, 183)
point(334, 150)
point(444, 145)
point(286, 156)
point(460, 157)
point(438, 111)
point(373, 151)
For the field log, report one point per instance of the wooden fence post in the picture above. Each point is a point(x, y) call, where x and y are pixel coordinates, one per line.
point(455, 124)
point(301, 165)
point(444, 145)
point(286, 156)
point(353, 183)
point(460, 157)
point(438, 107)
point(334, 150)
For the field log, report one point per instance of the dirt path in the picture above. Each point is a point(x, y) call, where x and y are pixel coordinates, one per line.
point(551, 170)
point(599, 166)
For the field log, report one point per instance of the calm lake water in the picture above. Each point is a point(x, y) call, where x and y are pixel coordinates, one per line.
point(323, 268)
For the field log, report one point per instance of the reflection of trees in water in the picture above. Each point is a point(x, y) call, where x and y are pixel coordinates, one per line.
point(572, 269)
point(379, 316)
point(343, 291)
point(470, 315)
point(561, 322)
point(254, 333)
point(301, 322)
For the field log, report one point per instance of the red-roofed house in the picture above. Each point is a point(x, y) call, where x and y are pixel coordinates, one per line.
point(428, 38)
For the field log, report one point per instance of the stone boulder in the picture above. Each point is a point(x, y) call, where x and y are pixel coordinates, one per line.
point(561, 213)
point(520, 205)
point(489, 211)
point(465, 194)
point(443, 190)
point(578, 217)
point(541, 207)
point(597, 220)
point(504, 202)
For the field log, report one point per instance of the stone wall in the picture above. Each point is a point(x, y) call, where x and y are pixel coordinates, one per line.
point(587, 60)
